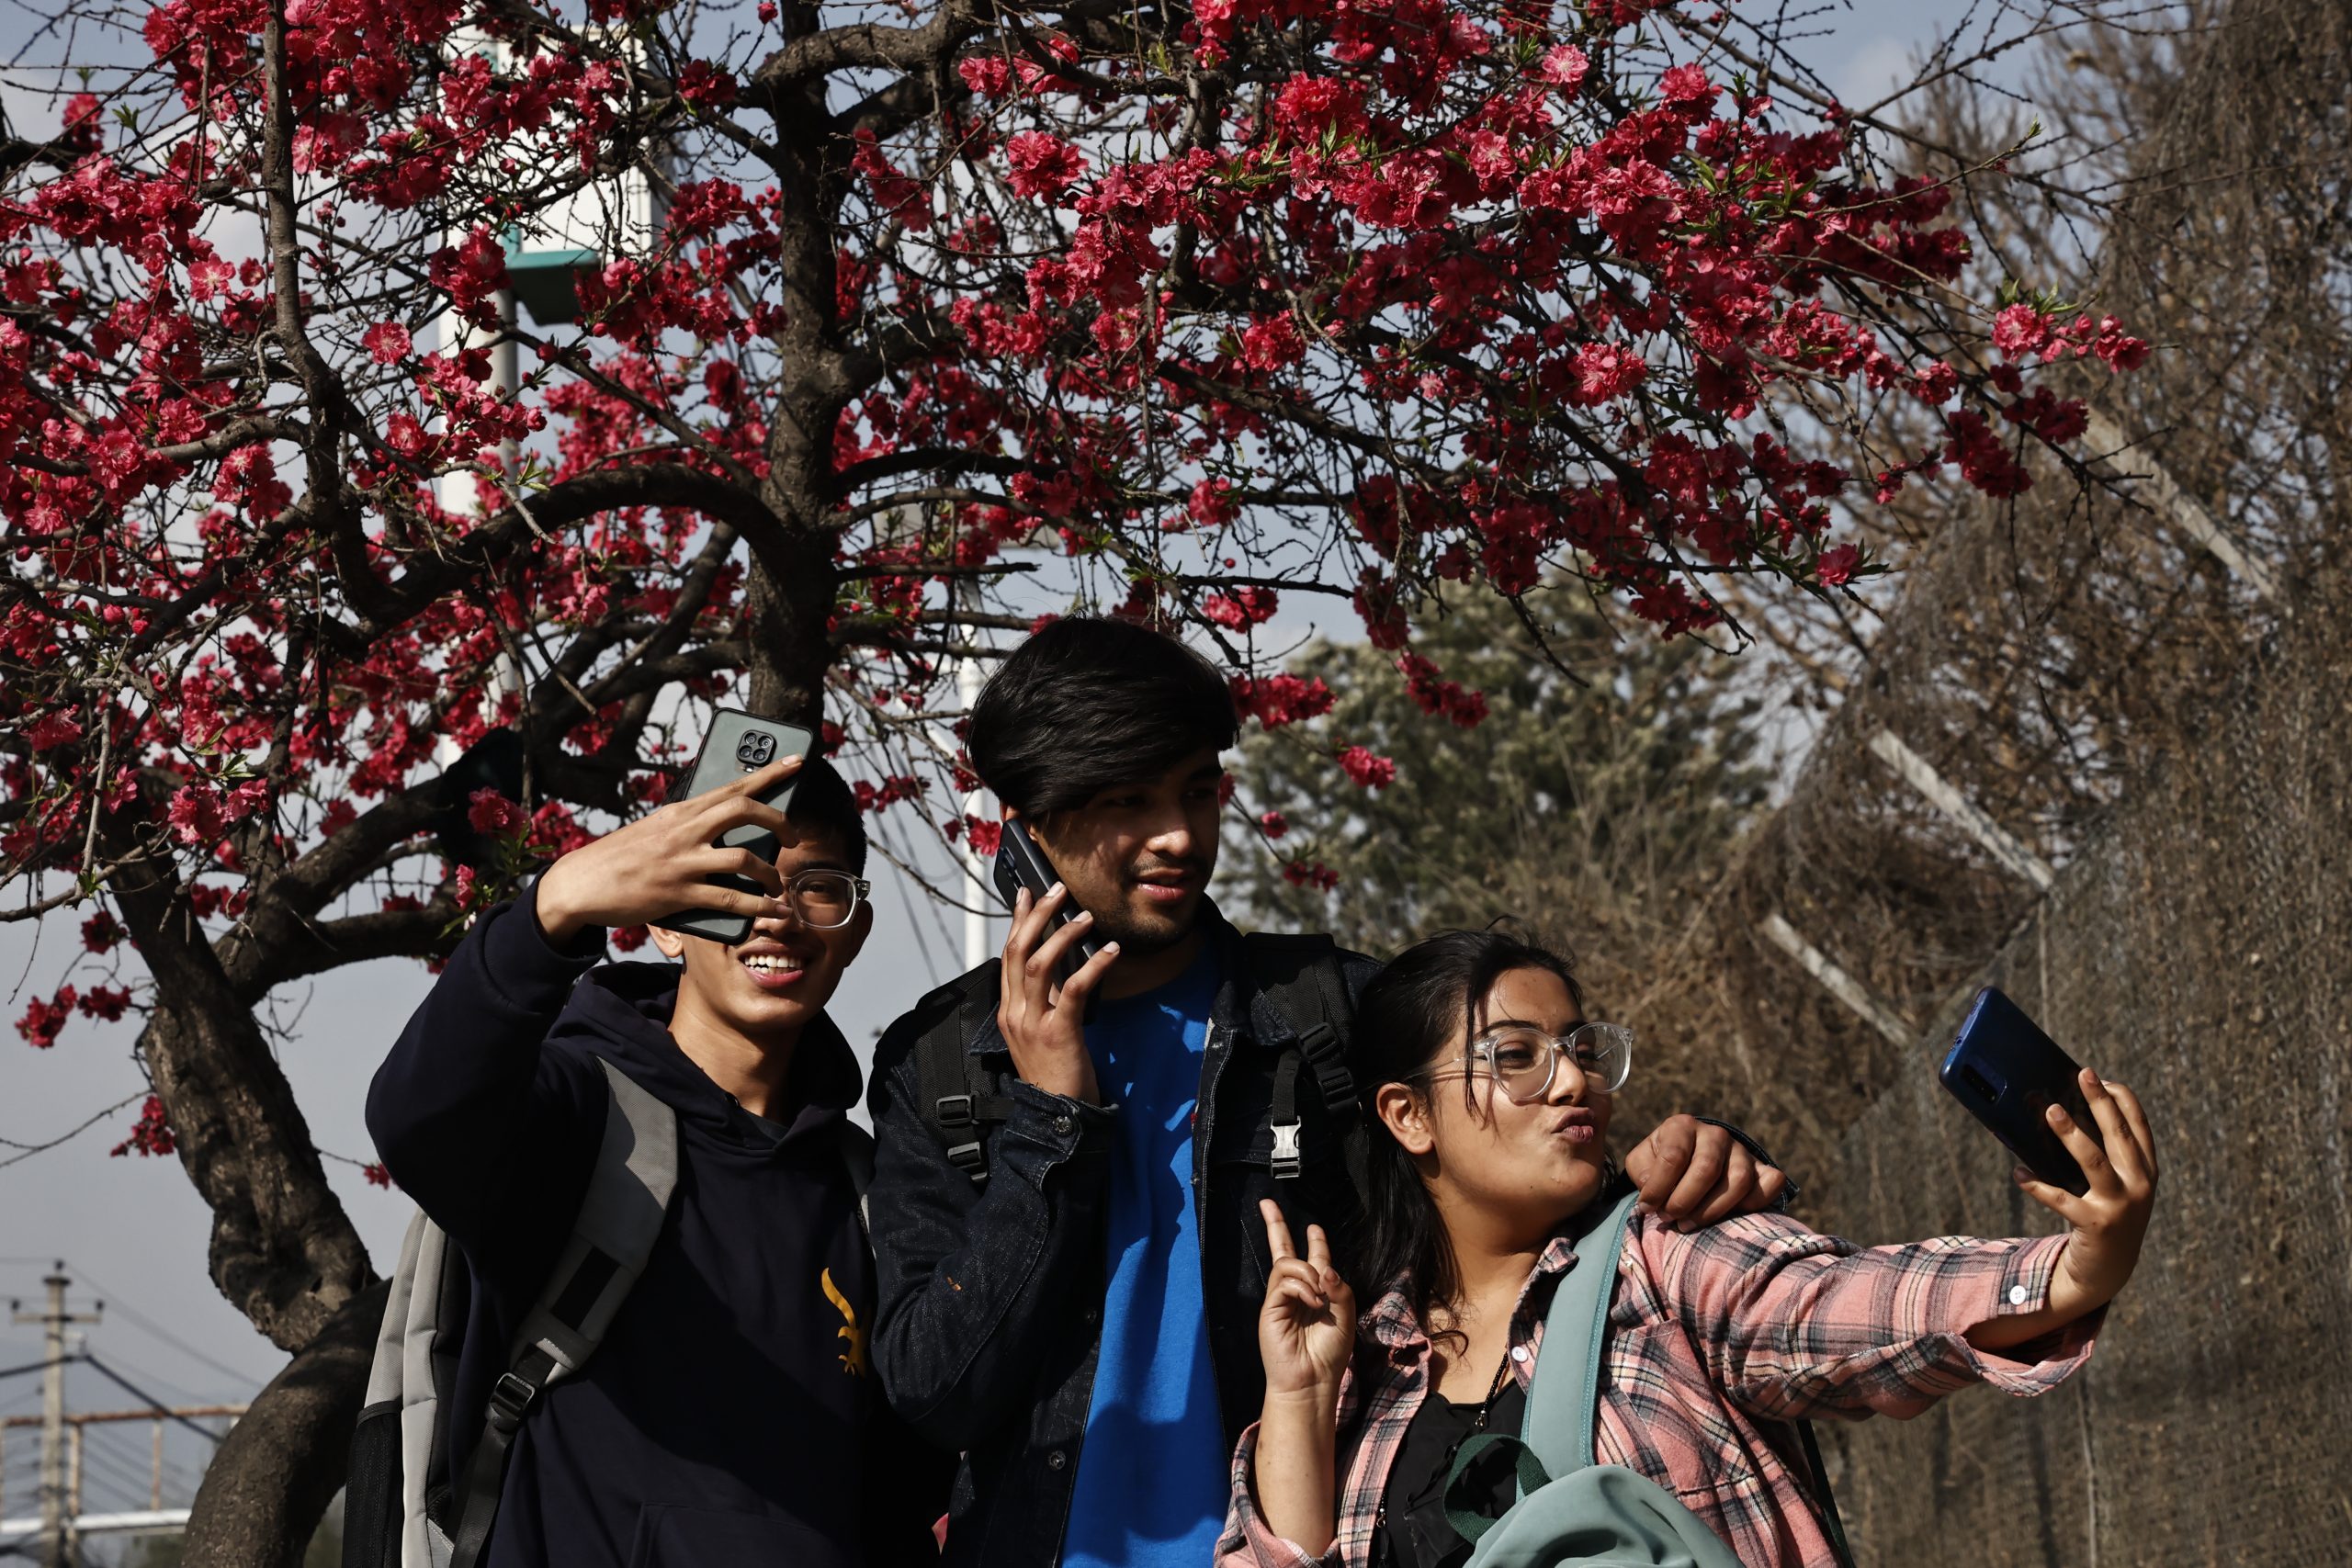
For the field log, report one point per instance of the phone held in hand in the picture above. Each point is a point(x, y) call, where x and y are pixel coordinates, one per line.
point(1021, 864)
point(2008, 1073)
point(738, 744)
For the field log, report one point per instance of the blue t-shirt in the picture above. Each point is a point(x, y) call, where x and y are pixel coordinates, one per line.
point(1153, 1475)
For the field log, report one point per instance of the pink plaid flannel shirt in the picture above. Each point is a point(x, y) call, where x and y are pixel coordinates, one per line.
point(1718, 1340)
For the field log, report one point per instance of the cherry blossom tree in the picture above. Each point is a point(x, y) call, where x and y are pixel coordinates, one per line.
point(343, 591)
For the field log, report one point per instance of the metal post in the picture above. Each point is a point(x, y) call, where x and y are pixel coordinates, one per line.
point(2183, 509)
point(976, 884)
point(1998, 841)
point(1838, 983)
point(155, 1483)
point(55, 1540)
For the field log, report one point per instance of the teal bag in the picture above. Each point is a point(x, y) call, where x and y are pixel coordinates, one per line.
point(1572, 1513)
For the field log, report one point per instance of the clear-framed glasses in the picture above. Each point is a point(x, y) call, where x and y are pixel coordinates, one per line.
point(825, 899)
point(1521, 1060)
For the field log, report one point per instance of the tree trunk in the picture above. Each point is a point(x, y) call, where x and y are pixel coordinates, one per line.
point(274, 1475)
point(787, 613)
point(282, 1250)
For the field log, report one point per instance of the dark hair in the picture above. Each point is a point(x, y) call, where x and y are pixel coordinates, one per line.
point(822, 799)
point(1089, 702)
point(1410, 1012)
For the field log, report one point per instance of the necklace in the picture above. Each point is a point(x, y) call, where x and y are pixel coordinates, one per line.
point(1477, 1425)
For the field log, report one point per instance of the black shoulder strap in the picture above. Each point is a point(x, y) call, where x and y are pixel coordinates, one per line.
point(957, 1090)
point(1828, 1502)
point(1301, 977)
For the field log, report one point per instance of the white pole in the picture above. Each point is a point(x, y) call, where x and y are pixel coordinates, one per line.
point(975, 874)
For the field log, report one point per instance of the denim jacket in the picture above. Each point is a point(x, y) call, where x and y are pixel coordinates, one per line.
point(991, 1298)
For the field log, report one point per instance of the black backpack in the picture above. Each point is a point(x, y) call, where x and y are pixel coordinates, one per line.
point(1303, 975)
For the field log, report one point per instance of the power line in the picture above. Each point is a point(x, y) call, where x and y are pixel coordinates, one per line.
point(151, 1403)
point(30, 1367)
point(140, 1320)
point(147, 1375)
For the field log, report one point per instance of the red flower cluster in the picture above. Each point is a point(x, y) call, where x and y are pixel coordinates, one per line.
point(1463, 292)
point(150, 1134)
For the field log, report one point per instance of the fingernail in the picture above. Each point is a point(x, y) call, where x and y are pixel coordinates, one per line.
point(1054, 889)
point(1110, 947)
point(2058, 1117)
point(1081, 916)
point(794, 758)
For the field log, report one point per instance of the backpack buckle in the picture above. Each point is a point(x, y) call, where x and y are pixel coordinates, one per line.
point(955, 1113)
point(1286, 1161)
point(509, 1399)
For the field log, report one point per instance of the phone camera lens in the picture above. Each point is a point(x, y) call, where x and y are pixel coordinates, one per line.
point(755, 749)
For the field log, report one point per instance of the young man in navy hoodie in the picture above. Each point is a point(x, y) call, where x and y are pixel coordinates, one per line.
point(730, 1415)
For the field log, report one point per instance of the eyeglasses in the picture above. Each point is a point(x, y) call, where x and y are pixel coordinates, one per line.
point(825, 900)
point(1522, 1060)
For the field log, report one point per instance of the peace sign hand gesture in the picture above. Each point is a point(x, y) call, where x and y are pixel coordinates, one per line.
point(1307, 1328)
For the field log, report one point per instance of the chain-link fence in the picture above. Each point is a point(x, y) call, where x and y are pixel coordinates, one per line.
point(2199, 948)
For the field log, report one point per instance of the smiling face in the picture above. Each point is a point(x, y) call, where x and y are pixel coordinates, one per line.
point(1137, 856)
point(1523, 1168)
point(774, 982)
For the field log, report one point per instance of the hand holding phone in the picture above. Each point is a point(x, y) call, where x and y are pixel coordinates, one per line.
point(740, 746)
point(2017, 1081)
point(1052, 963)
point(1021, 863)
point(2008, 1073)
point(667, 860)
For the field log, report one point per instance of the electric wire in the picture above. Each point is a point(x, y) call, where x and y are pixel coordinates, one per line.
point(114, 1300)
point(150, 1400)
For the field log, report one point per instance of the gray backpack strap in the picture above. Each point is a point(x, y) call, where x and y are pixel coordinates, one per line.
point(423, 1415)
point(620, 1218)
point(1567, 1392)
point(1556, 1439)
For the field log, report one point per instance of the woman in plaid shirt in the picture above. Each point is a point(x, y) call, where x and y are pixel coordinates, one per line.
point(1495, 1092)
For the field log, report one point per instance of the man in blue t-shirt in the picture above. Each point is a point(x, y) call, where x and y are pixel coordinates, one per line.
point(1069, 1254)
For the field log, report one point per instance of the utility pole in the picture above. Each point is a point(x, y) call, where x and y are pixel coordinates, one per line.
point(58, 1547)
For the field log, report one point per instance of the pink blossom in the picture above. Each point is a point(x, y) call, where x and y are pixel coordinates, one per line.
point(387, 343)
point(1370, 771)
point(1043, 164)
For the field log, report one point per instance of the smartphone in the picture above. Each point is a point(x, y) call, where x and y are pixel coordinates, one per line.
point(2008, 1073)
point(738, 744)
point(1021, 864)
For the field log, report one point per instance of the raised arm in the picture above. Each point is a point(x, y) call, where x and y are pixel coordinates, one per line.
point(1793, 1324)
point(465, 1112)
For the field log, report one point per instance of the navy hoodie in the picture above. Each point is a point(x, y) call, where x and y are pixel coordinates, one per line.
point(730, 1417)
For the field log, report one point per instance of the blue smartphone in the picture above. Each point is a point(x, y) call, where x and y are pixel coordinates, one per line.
point(2008, 1073)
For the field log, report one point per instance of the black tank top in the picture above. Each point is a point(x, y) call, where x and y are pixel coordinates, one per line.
point(1412, 1532)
